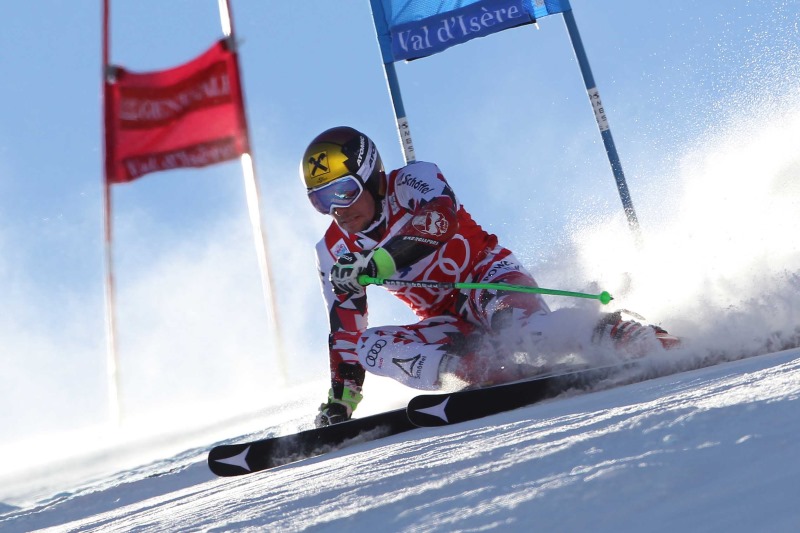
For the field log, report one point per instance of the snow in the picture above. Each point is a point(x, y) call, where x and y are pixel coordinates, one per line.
point(712, 449)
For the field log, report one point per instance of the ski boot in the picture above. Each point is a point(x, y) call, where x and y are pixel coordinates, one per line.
point(632, 337)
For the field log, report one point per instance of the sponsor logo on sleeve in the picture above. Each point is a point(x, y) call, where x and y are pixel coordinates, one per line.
point(432, 223)
point(415, 183)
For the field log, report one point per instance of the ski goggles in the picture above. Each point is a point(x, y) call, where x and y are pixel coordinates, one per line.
point(342, 192)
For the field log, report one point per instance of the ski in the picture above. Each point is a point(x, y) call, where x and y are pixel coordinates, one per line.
point(255, 456)
point(429, 410)
point(426, 410)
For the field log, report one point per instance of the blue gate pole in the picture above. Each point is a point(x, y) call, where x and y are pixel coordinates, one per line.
point(381, 31)
point(399, 113)
point(602, 121)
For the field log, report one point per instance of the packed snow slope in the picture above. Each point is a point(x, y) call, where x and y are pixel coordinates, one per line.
point(712, 449)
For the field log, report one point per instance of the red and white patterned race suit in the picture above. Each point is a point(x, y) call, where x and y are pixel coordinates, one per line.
point(432, 238)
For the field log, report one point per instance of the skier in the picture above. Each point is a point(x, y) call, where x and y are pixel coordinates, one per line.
point(411, 226)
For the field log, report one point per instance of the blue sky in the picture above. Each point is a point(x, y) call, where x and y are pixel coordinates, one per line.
point(505, 117)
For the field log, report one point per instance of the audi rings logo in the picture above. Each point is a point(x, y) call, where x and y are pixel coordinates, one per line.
point(374, 351)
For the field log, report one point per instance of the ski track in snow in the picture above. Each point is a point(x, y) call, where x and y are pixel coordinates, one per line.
point(706, 450)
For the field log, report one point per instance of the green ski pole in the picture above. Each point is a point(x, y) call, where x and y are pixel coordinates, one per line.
point(604, 297)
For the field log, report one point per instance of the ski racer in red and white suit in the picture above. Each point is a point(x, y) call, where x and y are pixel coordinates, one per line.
point(410, 226)
point(430, 237)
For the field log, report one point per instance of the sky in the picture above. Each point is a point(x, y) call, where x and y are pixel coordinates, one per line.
point(701, 99)
point(704, 451)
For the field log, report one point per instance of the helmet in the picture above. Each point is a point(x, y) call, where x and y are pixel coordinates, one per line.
point(340, 152)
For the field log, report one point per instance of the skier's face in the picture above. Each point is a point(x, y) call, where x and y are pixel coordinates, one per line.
point(358, 216)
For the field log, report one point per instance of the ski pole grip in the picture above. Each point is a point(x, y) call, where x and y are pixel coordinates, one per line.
point(365, 280)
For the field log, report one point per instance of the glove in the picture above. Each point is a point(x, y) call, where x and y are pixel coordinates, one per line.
point(373, 263)
point(338, 409)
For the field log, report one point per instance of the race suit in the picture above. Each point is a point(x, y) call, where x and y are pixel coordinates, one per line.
point(431, 237)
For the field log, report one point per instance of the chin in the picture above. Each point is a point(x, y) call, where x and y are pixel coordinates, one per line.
point(350, 227)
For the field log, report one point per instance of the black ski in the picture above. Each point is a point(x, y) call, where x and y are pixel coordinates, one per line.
point(422, 411)
point(428, 410)
point(247, 457)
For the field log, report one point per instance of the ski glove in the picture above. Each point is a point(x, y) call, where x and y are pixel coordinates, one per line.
point(338, 410)
point(373, 263)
